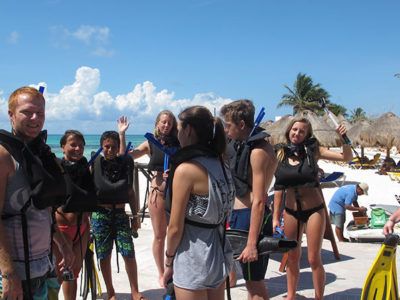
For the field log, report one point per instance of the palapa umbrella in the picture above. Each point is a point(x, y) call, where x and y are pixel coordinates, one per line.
point(339, 119)
point(355, 132)
point(277, 129)
point(384, 131)
point(326, 135)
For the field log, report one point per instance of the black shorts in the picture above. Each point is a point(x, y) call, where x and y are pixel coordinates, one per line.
point(240, 219)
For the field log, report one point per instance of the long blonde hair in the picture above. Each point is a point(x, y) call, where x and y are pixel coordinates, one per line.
point(281, 152)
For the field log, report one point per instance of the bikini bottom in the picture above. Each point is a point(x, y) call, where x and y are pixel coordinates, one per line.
point(303, 215)
point(71, 231)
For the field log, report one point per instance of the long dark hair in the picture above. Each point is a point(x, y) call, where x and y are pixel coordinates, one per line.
point(209, 130)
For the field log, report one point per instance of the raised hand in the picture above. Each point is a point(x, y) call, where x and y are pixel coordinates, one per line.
point(123, 124)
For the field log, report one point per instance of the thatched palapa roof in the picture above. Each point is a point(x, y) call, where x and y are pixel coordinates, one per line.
point(384, 131)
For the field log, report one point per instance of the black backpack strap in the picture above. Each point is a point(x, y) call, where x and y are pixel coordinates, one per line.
point(227, 284)
point(24, 223)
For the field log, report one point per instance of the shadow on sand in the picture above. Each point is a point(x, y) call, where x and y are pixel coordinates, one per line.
point(148, 294)
point(277, 287)
point(327, 257)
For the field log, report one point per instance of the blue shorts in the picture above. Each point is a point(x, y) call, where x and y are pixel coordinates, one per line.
point(337, 219)
point(112, 225)
point(240, 219)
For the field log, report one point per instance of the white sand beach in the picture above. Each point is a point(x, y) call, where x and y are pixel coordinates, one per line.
point(344, 277)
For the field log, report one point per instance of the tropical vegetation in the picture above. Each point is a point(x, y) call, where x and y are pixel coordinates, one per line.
point(305, 95)
point(357, 114)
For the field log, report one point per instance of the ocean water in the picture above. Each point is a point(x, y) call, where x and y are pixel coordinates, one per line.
point(92, 143)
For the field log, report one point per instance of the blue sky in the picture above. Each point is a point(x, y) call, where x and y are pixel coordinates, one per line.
point(100, 59)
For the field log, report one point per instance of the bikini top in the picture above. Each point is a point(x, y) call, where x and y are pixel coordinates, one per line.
point(305, 173)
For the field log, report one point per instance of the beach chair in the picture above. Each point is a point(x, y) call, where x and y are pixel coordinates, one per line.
point(373, 163)
point(333, 178)
point(395, 176)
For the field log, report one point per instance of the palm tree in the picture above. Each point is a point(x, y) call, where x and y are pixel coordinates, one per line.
point(357, 115)
point(303, 95)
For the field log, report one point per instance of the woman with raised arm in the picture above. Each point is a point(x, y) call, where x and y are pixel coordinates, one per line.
point(296, 181)
point(165, 131)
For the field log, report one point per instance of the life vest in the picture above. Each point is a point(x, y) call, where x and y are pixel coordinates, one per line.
point(46, 179)
point(113, 179)
point(46, 176)
point(305, 173)
point(81, 192)
point(182, 155)
point(156, 162)
point(239, 160)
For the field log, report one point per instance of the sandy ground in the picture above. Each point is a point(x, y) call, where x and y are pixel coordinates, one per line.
point(344, 277)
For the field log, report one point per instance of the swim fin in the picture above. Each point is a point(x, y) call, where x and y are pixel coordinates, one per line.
point(381, 281)
point(266, 245)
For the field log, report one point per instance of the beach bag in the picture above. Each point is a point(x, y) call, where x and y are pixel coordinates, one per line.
point(378, 218)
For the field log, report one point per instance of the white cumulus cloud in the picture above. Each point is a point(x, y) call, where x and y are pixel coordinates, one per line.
point(82, 102)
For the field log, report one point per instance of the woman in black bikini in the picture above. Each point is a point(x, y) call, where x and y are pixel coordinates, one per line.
point(165, 132)
point(297, 182)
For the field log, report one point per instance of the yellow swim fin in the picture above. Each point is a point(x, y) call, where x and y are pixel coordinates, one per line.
point(381, 281)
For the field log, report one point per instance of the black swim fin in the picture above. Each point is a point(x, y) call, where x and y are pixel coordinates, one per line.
point(238, 240)
point(381, 281)
point(269, 245)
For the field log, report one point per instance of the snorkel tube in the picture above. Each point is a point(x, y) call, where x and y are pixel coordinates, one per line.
point(94, 156)
point(128, 148)
point(166, 162)
point(168, 151)
point(322, 103)
point(258, 120)
point(41, 89)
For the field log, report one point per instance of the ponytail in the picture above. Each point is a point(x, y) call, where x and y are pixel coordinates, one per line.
point(218, 142)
